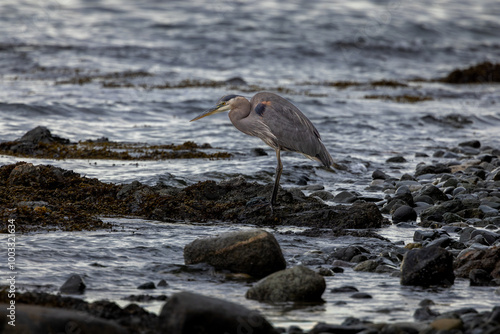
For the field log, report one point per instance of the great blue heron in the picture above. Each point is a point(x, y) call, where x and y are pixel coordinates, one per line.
point(278, 123)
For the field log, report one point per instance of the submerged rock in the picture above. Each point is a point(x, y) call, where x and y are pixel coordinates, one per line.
point(298, 284)
point(427, 266)
point(190, 313)
point(482, 73)
point(254, 252)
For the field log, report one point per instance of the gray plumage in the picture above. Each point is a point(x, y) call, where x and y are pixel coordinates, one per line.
point(278, 123)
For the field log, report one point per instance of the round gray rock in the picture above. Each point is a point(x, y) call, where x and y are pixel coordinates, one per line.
point(427, 266)
point(254, 252)
point(295, 284)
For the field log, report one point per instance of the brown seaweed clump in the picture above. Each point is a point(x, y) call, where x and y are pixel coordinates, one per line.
point(40, 143)
point(44, 197)
point(483, 73)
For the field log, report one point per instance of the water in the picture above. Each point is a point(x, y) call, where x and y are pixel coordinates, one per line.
point(300, 47)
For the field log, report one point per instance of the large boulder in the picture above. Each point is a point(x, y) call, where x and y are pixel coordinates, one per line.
point(427, 266)
point(41, 320)
point(254, 252)
point(189, 313)
point(485, 259)
point(295, 284)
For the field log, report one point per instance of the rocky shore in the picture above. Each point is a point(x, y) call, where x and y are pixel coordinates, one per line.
point(452, 202)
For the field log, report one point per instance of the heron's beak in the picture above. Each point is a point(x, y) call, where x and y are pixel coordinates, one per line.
point(217, 109)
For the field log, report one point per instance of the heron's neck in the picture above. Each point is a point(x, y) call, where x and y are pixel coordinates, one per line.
point(239, 114)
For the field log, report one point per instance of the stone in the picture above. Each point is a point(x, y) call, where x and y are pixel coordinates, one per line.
point(404, 213)
point(190, 313)
point(298, 284)
point(322, 328)
point(479, 277)
point(422, 169)
point(486, 259)
point(323, 194)
point(433, 192)
point(255, 252)
point(380, 175)
point(396, 159)
point(147, 286)
point(344, 289)
point(436, 212)
point(427, 266)
point(42, 320)
point(348, 252)
point(361, 295)
point(345, 197)
point(471, 143)
point(425, 313)
point(74, 285)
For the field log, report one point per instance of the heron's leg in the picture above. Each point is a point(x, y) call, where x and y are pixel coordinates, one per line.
point(279, 169)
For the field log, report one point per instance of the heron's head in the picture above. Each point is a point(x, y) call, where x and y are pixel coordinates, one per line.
point(225, 103)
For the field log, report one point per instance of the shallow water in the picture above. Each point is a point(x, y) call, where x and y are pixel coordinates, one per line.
point(113, 264)
point(300, 46)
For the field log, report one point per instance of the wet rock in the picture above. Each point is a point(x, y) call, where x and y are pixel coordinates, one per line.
point(396, 159)
point(361, 295)
point(485, 259)
point(41, 320)
point(404, 213)
point(322, 328)
point(147, 286)
point(29, 143)
point(258, 152)
point(479, 277)
point(348, 252)
point(254, 252)
point(433, 192)
point(324, 195)
point(427, 266)
point(344, 289)
point(162, 283)
point(299, 284)
point(380, 175)
point(190, 313)
point(345, 197)
point(469, 233)
point(379, 265)
point(436, 213)
point(236, 81)
point(422, 169)
point(74, 285)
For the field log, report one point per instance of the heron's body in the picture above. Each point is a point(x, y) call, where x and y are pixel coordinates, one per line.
point(278, 123)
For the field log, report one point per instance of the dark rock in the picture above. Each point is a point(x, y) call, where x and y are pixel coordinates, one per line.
point(162, 283)
point(380, 175)
point(147, 286)
point(295, 284)
point(469, 233)
point(485, 259)
point(479, 277)
point(361, 295)
point(427, 266)
point(42, 320)
point(433, 192)
point(423, 198)
point(322, 328)
point(189, 313)
point(348, 252)
point(254, 252)
point(396, 159)
point(442, 242)
point(436, 212)
point(404, 213)
point(422, 169)
point(74, 285)
point(324, 195)
point(420, 235)
point(345, 197)
point(344, 289)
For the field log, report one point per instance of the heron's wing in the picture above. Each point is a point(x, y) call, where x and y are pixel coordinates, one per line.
point(292, 130)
